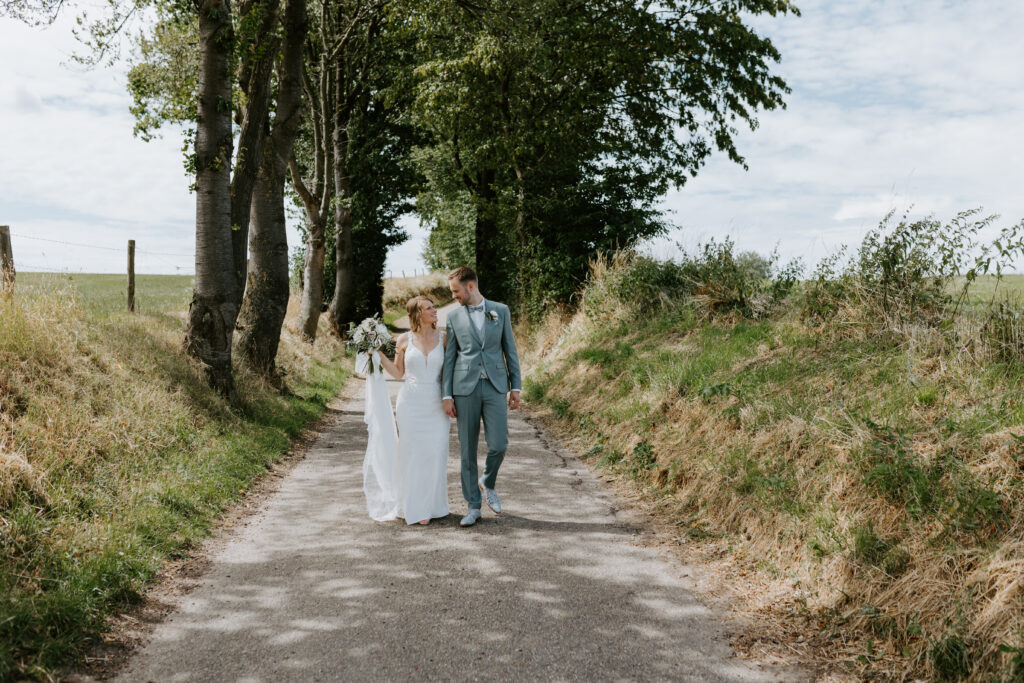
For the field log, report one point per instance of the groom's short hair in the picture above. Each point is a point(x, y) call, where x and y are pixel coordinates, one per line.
point(463, 274)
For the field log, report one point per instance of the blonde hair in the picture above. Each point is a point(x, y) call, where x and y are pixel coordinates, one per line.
point(412, 307)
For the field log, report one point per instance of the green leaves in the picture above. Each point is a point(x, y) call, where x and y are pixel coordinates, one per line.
point(583, 114)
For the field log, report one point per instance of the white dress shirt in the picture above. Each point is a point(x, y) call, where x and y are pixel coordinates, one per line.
point(478, 318)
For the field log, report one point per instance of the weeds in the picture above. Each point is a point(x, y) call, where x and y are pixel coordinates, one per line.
point(714, 280)
point(1004, 330)
point(641, 460)
point(896, 473)
point(950, 658)
point(886, 554)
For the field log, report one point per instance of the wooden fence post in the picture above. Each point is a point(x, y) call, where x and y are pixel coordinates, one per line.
point(131, 275)
point(6, 257)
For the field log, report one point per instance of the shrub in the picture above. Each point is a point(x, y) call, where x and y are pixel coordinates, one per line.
point(641, 459)
point(713, 280)
point(906, 272)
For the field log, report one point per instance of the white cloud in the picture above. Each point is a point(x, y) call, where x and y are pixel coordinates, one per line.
point(894, 105)
point(73, 171)
point(24, 101)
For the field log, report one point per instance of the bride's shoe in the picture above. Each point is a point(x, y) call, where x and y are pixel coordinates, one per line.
point(424, 522)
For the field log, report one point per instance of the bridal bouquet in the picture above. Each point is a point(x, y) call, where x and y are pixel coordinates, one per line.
point(369, 336)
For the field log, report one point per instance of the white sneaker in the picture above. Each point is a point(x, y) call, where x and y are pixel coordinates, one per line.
point(471, 518)
point(491, 496)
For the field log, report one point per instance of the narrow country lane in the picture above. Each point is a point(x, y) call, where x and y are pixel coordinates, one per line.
point(553, 589)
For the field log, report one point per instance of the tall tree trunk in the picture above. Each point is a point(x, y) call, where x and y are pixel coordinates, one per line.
point(266, 296)
point(313, 276)
point(342, 306)
point(488, 239)
point(322, 99)
point(212, 313)
point(259, 50)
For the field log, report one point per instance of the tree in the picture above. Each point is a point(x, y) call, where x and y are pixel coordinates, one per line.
point(266, 294)
point(337, 43)
point(548, 111)
point(257, 49)
point(353, 71)
point(169, 86)
point(352, 158)
point(212, 312)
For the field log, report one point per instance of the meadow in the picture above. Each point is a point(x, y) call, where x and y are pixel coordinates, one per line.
point(114, 454)
point(846, 452)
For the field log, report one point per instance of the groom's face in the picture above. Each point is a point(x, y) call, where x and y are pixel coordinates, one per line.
point(462, 293)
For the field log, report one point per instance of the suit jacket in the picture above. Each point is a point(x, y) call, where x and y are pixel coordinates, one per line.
point(468, 352)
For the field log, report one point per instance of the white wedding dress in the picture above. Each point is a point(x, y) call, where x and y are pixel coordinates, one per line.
point(405, 474)
point(423, 429)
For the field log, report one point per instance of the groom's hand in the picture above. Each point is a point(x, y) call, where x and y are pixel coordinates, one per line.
point(513, 400)
point(449, 407)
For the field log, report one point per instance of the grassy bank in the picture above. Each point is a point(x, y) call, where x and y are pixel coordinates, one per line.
point(114, 455)
point(858, 470)
point(398, 290)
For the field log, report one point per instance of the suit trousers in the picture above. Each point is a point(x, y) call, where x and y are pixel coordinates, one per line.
point(489, 404)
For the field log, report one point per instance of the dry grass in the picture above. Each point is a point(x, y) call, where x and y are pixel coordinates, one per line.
point(861, 486)
point(114, 455)
point(399, 290)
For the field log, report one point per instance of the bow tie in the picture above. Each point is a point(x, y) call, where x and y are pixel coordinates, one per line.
point(474, 309)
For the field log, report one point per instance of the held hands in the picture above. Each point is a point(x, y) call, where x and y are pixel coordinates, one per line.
point(449, 404)
point(449, 407)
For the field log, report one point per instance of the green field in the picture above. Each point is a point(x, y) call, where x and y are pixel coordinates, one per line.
point(988, 288)
point(155, 294)
point(115, 456)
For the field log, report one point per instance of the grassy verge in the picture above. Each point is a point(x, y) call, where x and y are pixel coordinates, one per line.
point(114, 456)
point(399, 290)
point(862, 482)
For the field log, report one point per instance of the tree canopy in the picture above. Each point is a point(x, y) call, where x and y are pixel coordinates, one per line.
point(561, 123)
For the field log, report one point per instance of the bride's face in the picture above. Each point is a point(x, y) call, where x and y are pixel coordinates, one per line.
point(428, 314)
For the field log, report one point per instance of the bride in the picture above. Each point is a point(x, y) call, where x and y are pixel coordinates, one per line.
point(422, 454)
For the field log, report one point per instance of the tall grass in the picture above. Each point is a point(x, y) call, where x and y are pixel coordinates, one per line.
point(398, 290)
point(114, 455)
point(858, 449)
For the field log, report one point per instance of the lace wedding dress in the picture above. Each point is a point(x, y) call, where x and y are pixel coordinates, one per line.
point(405, 473)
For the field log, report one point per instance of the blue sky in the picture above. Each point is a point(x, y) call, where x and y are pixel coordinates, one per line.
point(895, 105)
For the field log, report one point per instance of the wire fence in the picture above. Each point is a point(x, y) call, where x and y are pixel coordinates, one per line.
point(152, 261)
point(41, 259)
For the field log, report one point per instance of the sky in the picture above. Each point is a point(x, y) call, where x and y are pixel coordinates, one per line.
point(911, 105)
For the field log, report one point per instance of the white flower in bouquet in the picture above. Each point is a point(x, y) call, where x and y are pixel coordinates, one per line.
point(370, 335)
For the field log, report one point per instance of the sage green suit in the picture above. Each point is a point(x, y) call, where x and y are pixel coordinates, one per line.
point(479, 371)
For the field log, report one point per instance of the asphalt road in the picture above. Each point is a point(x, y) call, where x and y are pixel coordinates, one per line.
point(555, 588)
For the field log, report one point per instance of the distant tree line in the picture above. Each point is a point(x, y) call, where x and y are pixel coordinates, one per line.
point(529, 135)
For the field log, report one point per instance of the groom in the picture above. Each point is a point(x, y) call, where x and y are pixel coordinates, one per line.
point(480, 367)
